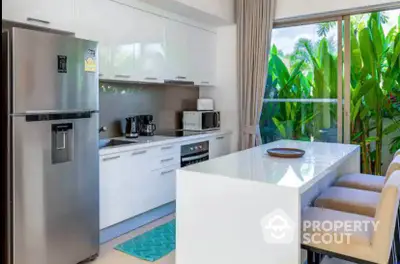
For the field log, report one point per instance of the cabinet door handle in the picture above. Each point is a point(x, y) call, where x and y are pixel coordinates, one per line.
point(151, 78)
point(101, 75)
point(122, 76)
point(220, 138)
point(166, 172)
point(181, 77)
point(167, 147)
point(165, 160)
point(139, 152)
point(31, 19)
point(204, 82)
point(111, 158)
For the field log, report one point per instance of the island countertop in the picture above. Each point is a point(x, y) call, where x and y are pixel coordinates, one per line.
point(256, 165)
point(230, 204)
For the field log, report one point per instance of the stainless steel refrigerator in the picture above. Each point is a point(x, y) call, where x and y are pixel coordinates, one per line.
point(49, 147)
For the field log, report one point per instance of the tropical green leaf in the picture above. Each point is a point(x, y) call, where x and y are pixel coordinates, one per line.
point(377, 39)
point(357, 135)
point(274, 50)
point(387, 84)
point(396, 55)
point(393, 127)
point(364, 89)
point(280, 127)
point(288, 111)
point(355, 111)
point(371, 100)
point(371, 139)
point(367, 51)
point(364, 112)
point(308, 119)
point(280, 70)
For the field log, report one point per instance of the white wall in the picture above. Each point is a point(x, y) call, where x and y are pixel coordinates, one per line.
point(225, 94)
point(223, 9)
point(212, 12)
point(295, 8)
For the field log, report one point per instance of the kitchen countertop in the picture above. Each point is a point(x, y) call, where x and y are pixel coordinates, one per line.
point(237, 202)
point(255, 165)
point(147, 142)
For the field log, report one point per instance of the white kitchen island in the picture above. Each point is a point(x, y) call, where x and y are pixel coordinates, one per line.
point(246, 207)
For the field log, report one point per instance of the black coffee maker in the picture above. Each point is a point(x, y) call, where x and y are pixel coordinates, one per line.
point(132, 127)
point(147, 127)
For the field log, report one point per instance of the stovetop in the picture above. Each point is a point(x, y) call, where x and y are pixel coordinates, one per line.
point(178, 133)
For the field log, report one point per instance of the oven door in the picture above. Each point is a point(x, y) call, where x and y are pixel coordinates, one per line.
point(194, 158)
point(210, 120)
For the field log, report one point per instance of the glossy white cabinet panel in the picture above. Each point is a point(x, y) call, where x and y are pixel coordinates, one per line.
point(220, 146)
point(149, 40)
point(95, 26)
point(122, 42)
point(203, 57)
point(162, 188)
point(178, 50)
point(115, 189)
point(139, 171)
point(55, 14)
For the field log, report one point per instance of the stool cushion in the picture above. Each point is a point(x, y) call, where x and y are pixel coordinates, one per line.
point(361, 181)
point(349, 200)
point(393, 166)
point(359, 245)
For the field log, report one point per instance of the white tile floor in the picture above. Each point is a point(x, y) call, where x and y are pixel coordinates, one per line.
point(108, 255)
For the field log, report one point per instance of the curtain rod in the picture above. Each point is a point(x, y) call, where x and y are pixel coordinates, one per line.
point(334, 15)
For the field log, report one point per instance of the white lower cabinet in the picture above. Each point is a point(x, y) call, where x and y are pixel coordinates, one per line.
point(134, 182)
point(220, 146)
point(161, 189)
point(115, 194)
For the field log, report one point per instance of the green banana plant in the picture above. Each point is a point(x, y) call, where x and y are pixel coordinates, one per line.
point(292, 117)
point(311, 72)
point(375, 72)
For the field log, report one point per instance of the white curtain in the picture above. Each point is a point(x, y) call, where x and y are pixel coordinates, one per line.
point(254, 21)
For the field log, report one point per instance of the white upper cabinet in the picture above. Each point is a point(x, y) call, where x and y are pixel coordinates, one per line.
point(134, 45)
point(178, 50)
point(148, 35)
point(111, 24)
point(203, 57)
point(93, 26)
point(54, 14)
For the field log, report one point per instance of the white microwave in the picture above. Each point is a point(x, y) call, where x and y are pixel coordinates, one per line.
point(201, 120)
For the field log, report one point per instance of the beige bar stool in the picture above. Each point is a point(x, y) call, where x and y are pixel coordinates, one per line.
point(366, 181)
point(365, 246)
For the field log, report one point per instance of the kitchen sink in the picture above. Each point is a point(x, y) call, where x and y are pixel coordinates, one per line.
point(105, 143)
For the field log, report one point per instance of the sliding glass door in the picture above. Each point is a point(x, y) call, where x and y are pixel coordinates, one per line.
point(301, 96)
point(374, 79)
point(337, 81)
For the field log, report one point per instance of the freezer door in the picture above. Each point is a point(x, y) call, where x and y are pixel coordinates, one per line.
point(56, 189)
point(52, 72)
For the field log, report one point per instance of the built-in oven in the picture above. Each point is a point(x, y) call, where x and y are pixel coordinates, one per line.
point(194, 153)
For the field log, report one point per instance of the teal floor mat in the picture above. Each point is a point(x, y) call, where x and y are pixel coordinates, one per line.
point(153, 244)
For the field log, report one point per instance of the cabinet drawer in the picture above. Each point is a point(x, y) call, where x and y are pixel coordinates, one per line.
point(164, 161)
point(165, 184)
point(165, 150)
